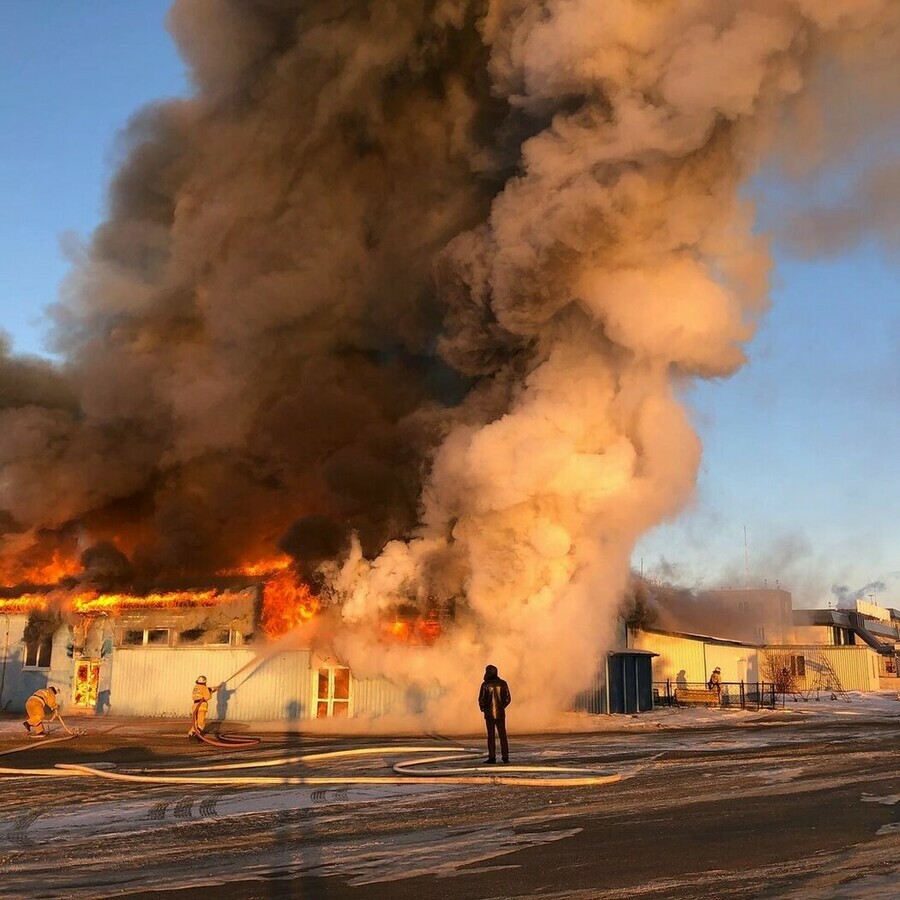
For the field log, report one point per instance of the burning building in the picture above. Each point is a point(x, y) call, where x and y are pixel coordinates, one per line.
point(70, 637)
point(132, 650)
point(410, 292)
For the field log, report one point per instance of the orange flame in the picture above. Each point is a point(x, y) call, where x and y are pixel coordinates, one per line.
point(413, 630)
point(286, 605)
point(95, 602)
point(48, 571)
point(260, 567)
point(24, 604)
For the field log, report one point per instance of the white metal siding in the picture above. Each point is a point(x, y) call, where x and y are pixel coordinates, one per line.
point(158, 681)
point(377, 696)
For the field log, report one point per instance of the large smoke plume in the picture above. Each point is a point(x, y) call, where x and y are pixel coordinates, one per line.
point(418, 284)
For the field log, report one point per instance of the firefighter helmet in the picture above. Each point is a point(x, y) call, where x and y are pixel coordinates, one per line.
point(54, 689)
point(201, 679)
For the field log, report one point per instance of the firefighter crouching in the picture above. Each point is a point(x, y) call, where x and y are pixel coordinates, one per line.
point(36, 707)
point(201, 695)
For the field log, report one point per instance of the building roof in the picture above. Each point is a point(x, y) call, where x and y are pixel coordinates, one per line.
point(701, 637)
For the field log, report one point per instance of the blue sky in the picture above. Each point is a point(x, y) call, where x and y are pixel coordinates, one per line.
point(800, 446)
point(71, 75)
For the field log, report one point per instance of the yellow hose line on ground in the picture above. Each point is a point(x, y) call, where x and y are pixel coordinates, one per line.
point(314, 757)
point(405, 773)
point(262, 780)
point(35, 744)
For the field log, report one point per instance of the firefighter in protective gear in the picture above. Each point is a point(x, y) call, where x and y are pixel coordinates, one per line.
point(36, 707)
point(201, 695)
point(715, 681)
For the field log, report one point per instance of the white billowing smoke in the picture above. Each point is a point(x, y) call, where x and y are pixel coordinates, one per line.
point(623, 255)
point(433, 275)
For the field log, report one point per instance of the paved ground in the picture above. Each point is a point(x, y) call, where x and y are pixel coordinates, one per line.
point(746, 805)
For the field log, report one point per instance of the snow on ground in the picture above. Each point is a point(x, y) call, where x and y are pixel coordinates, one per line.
point(884, 704)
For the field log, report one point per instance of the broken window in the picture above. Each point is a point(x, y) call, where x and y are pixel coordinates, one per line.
point(38, 653)
point(333, 697)
point(191, 636)
point(132, 637)
point(157, 637)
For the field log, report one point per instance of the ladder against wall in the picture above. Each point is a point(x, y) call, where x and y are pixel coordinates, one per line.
point(824, 678)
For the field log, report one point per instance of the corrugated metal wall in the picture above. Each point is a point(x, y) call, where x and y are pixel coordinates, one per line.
point(680, 659)
point(593, 698)
point(736, 663)
point(855, 667)
point(377, 696)
point(151, 681)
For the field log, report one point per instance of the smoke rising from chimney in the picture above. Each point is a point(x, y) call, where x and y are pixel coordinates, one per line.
point(434, 274)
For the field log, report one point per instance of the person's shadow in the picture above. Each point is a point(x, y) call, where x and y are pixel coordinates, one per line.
point(223, 695)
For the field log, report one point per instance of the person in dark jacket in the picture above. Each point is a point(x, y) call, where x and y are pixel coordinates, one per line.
point(493, 698)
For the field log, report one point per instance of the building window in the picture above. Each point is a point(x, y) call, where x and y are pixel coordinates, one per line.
point(191, 636)
point(38, 653)
point(220, 637)
point(333, 699)
point(150, 637)
point(798, 666)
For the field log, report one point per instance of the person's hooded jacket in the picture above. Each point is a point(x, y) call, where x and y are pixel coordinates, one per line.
point(494, 696)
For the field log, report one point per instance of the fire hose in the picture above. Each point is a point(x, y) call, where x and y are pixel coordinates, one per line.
point(69, 731)
point(219, 740)
point(404, 773)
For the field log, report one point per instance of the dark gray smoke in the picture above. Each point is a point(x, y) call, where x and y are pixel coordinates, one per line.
point(434, 273)
point(251, 337)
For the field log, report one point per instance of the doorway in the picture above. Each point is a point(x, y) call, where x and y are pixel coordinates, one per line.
point(333, 698)
point(87, 682)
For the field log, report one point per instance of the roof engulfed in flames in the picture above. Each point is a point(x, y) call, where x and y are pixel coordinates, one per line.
point(286, 601)
point(286, 604)
point(98, 602)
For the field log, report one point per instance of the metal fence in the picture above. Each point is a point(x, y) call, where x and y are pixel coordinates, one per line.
point(728, 694)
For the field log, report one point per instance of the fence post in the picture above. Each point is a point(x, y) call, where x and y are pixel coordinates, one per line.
point(743, 696)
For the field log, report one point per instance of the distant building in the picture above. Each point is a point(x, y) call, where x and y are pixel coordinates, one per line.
point(758, 616)
point(864, 625)
point(687, 661)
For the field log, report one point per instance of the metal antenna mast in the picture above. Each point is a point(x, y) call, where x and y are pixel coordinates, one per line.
point(746, 562)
